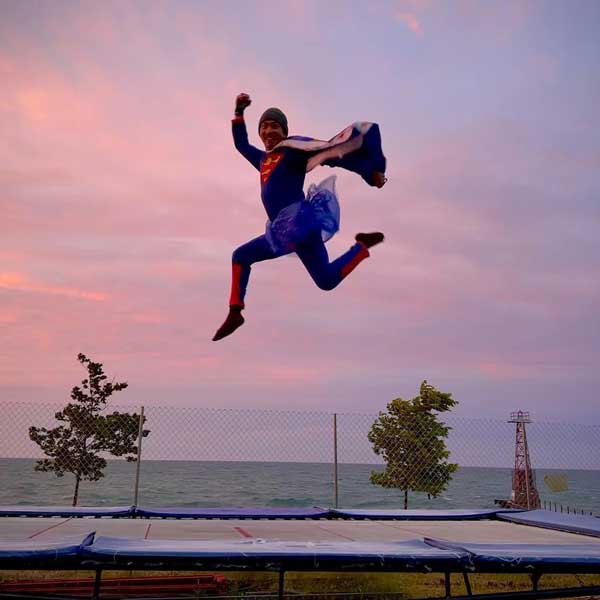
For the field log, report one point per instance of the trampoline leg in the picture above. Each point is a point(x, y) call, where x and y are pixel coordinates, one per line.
point(280, 590)
point(447, 584)
point(535, 578)
point(96, 592)
point(467, 584)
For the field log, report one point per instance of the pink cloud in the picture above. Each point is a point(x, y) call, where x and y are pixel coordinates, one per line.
point(411, 21)
point(9, 316)
point(547, 364)
point(502, 19)
point(149, 317)
point(410, 12)
point(292, 375)
point(505, 370)
point(141, 165)
point(18, 282)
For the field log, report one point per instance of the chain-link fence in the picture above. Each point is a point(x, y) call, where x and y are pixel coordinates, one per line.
point(207, 457)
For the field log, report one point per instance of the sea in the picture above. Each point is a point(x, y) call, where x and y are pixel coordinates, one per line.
point(279, 484)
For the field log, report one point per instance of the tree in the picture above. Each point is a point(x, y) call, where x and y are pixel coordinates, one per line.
point(76, 445)
point(411, 441)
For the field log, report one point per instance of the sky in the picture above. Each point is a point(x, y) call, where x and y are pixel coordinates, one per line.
point(122, 198)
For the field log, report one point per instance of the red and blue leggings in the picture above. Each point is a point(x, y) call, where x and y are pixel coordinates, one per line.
point(312, 253)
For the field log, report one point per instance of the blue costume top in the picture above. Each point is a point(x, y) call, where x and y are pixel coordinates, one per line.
point(283, 170)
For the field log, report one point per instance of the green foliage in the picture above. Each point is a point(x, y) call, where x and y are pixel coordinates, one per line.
point(76, 445)
point(411, 441)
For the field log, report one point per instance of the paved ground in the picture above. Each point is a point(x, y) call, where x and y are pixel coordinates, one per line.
point(24, 528)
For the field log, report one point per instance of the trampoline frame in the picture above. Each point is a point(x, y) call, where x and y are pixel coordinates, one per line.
point(534, 594)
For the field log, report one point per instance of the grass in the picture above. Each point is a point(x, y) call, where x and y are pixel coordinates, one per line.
point(362, 586)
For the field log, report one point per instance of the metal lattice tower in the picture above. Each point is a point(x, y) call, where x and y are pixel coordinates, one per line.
point(524, 491)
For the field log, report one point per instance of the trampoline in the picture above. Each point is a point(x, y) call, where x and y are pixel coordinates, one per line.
point(445, 542)
point(312, 512)
point(67, 511)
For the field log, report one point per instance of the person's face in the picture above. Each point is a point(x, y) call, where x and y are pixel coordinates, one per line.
point(271, 133)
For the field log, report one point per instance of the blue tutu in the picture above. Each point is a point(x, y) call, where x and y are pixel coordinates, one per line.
point(318, 213)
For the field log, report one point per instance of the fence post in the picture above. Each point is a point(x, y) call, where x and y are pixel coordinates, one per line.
point(139, 458)
point(335, 462)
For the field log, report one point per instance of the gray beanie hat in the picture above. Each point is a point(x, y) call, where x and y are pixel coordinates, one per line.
point(274, 114)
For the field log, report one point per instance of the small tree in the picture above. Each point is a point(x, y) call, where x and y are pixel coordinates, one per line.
point(75, 446)
point(411, 441)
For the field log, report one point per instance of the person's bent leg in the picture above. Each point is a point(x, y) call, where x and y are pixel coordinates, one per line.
point(242, 260)
point(327, 275)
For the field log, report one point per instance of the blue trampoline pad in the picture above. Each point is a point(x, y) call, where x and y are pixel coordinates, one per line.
point(582, 524)
point(411, 555)
point(416, 514)
point(234, 513)
point(565, 558)
point(32, 553)
point(66, 511)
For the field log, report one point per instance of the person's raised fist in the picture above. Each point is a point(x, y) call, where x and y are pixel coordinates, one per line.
point(241, 103)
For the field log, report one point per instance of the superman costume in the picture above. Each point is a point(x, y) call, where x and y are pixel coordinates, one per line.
point(298, 224)
point(303, 224)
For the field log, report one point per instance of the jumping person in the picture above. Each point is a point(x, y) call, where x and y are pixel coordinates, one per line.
point(298, 224)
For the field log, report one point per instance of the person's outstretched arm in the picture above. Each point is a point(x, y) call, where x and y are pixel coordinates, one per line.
point(240, 133)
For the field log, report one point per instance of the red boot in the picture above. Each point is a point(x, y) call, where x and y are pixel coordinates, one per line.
point(370, 239)
point(232, 322)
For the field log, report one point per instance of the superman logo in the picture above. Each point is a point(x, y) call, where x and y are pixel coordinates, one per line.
point(268, 165)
